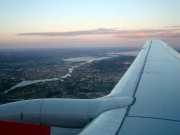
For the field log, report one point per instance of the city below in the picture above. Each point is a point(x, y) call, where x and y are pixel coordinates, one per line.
point(61, 73)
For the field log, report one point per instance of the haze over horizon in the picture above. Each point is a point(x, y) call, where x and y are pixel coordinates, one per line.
point(83, 23)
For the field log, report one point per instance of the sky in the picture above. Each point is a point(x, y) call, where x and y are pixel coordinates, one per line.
point(88, 23)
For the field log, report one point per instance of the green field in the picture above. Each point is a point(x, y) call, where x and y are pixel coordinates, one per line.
point(103, 88)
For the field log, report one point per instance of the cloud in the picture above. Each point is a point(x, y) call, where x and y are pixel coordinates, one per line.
point(161, 33)
point(141, 33)
point(177, 26)
point(72, 33)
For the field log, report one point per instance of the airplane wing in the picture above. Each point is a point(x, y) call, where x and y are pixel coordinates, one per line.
point(145, 101)
point(153, 80)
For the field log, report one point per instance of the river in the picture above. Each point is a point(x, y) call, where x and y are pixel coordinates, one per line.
point(84, 60)
point(78, 59)
point(25, 83)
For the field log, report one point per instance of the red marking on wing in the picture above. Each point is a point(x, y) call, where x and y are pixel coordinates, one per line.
point(14, 128)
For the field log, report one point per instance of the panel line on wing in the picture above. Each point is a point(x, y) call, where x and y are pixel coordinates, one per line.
point(140, 74)
point(136, 86)
point(139, 78)
point(170, 52)
point(153, 118)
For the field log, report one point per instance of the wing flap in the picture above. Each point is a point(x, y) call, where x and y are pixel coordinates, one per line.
point(106, 123)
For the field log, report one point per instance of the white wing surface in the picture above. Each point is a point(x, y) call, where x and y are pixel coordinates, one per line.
point(153, 80)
